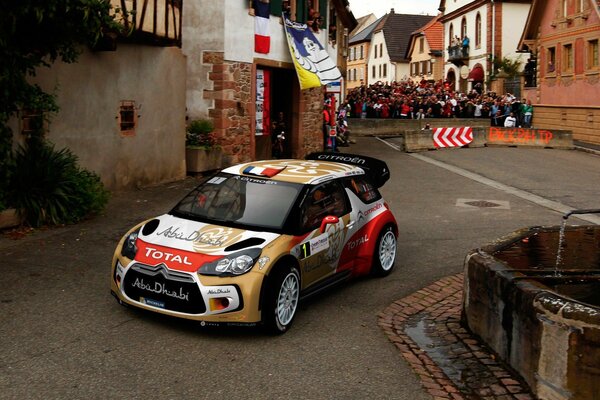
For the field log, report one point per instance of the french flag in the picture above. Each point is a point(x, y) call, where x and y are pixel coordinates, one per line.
point(262, 34)
point(259, 171)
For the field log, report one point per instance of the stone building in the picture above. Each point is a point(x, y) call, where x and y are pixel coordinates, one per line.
point(562, 79)
point(223, 69)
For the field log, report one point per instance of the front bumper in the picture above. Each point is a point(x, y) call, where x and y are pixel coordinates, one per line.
point(233, 300)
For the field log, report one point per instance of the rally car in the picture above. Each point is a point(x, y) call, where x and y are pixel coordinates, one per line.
point(251, 241)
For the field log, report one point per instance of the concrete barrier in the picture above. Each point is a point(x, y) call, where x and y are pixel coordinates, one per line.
point(422, 140)
point(523, 137)
point(397, 127)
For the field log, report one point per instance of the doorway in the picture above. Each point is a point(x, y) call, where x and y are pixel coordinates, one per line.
point(280, 97)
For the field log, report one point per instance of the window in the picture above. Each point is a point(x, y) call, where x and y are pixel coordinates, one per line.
point(355, 74)
point(564, 8)
point(362, 74)
point(421, 45)
point(326, 199)
point(380, 70)
point(363, 189)
point(551, 67)
point(373, 71)
point(463, 28)
point(380, 49)
point(127, 118)
point(478, 31)
point(567, 58)
point(579, 4)
point(384, 70)
point(451, 36)
point(375, 51)
point(592, 54)
point(354, 53)
point(424, 69)
point(361, 52)
point(300, 10)
point(32, 123)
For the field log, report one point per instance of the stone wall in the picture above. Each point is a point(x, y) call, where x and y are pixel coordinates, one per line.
point(311, 122)
point(231, 93)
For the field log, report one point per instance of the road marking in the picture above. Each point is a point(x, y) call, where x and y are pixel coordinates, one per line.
point(539, 200)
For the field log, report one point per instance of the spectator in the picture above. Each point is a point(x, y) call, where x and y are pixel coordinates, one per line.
point(510, 121)
point(527, 110)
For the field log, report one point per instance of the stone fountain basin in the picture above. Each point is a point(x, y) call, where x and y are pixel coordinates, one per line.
point(541, 320)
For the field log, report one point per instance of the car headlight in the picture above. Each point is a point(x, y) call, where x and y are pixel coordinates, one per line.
point(234, 264)
point(129, 248)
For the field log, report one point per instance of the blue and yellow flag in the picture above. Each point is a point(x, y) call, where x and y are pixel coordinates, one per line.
point(313, 64)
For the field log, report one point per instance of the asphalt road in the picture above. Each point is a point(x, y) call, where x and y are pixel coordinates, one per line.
point(62, 335)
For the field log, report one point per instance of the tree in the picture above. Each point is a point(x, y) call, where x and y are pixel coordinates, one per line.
point(34, 34)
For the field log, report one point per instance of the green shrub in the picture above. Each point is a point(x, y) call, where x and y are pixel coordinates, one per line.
point(199, 134)
point(48, 187)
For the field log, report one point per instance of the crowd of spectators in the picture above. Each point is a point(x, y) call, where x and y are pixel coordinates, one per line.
point(426, 99)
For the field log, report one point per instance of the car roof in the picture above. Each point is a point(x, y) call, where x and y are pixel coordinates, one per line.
point(295, 171)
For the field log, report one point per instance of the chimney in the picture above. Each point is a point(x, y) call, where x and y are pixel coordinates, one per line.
point(392, 11)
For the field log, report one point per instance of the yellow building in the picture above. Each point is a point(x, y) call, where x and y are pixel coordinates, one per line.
point(358, 56)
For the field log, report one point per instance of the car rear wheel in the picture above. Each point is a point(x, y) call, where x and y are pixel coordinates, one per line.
point(281, 300)
point(385, 253)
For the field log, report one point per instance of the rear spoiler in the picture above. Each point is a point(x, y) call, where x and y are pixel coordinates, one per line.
point(376, 169)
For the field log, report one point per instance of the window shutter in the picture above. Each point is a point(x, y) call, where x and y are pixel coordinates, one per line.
point(276, 7)
point(323, 13)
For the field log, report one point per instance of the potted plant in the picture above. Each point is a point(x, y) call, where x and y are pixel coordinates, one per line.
point(202, 153)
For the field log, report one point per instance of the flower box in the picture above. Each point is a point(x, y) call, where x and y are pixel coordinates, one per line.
point(9, 218)
point(198, 159)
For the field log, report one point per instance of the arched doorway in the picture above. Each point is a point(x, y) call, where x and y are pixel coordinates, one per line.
point(451, 79)
point(476, 76)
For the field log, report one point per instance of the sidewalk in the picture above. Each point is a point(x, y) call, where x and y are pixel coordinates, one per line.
point(450, 362)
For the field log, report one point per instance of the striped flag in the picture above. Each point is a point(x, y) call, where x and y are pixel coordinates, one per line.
point(262, 32)
point(260, 171)
point(452, 137)
point(313, 65)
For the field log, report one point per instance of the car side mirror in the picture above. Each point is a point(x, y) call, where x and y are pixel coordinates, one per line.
point(330, 219)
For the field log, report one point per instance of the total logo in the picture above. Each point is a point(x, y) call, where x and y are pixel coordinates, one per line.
point(164, 256)
point(358, 242)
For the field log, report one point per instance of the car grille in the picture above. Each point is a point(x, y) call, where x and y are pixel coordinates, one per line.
point(158, 286)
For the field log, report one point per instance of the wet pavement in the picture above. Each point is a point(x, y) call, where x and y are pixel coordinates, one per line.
point(450, 362)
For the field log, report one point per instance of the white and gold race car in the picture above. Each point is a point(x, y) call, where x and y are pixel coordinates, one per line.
point(246, 245)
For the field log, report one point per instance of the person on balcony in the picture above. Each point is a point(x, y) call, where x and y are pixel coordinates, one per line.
point(465, 46)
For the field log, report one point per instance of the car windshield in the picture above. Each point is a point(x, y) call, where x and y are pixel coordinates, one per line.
point(240, 201)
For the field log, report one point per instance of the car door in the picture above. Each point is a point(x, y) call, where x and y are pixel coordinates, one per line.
point(321, 249)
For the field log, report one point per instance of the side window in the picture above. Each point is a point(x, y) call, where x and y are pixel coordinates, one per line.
point(321, 201)
point(363, 189)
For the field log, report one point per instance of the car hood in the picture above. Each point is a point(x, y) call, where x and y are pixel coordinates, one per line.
point(198, 237)
point(185, 245)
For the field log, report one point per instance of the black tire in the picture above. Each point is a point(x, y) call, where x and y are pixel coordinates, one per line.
point(281, 300)
point(384, 257)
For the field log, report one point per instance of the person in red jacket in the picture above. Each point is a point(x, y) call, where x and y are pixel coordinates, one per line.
point(326, 125)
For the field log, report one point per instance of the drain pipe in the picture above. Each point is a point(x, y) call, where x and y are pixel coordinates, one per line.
point(493, 36)
point(582, 211)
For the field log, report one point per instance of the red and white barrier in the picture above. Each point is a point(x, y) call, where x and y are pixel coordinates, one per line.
point(452, 137)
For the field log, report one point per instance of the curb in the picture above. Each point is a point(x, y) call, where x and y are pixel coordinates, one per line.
point(450, 362)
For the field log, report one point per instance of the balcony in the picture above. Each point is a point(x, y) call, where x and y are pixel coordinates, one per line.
point(458, 55)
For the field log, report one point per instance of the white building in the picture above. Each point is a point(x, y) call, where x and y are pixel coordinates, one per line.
point(493, 29)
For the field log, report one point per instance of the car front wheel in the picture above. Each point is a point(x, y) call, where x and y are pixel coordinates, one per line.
point(281, 301)
point(385, 253)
